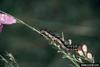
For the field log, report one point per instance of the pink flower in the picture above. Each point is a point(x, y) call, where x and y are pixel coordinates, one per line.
point(6, 19)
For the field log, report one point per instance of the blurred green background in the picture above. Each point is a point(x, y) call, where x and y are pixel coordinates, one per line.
point(78, 19)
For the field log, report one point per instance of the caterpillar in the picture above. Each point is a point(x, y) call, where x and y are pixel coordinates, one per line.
point(62, 43)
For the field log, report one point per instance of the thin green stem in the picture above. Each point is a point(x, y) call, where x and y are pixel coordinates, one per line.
point(75, 63)
point(67, 56)
point(34, 29)
point(71, 59)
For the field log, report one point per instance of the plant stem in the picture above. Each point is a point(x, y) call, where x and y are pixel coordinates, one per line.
point(75, 63)
point(67, 56)
point(34, 29)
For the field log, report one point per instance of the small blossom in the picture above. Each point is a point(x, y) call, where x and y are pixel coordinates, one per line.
point(89, 55)
point(80, 52)
point(70, 41)
point(84, 48)
point(6, 19)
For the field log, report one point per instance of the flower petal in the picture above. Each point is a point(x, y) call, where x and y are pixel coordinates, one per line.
point(7, 19)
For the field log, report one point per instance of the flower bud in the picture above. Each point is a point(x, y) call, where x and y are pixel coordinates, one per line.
point(89, 55)
point(70, 41)
point(84, 48)
point(80, 52)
